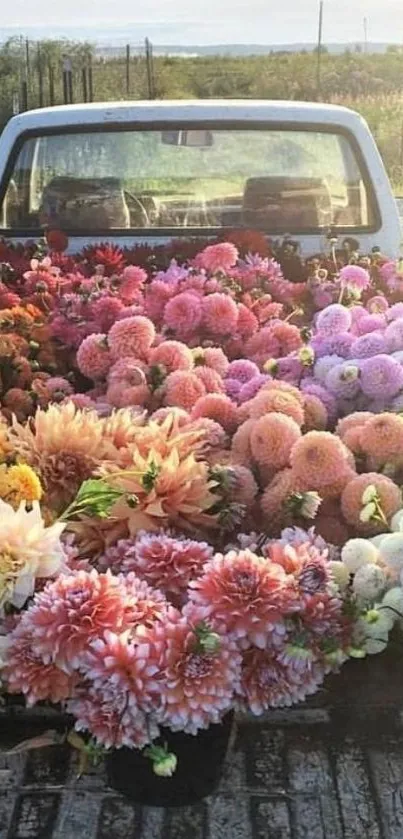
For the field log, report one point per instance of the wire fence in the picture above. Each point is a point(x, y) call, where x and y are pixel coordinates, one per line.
point(45, 74)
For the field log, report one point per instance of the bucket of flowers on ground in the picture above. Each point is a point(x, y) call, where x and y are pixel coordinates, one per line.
point(200, 491)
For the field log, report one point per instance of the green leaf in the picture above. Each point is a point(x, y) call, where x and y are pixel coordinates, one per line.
point(95, 497)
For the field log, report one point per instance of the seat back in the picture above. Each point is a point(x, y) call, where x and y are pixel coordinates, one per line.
point(286, 204)
point(84, 204)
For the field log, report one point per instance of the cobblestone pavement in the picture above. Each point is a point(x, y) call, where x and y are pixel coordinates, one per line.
point(330, 770)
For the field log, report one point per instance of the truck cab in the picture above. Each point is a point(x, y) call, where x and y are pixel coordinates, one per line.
point(153, 171)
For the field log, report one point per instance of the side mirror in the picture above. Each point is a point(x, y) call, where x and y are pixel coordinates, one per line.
point(198, 139)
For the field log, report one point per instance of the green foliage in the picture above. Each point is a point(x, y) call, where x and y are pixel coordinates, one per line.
point(369, 83)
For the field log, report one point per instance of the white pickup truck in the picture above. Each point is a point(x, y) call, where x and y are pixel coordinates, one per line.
point(152, 171)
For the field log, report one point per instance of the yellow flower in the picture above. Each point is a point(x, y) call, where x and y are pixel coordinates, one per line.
point(19, 483)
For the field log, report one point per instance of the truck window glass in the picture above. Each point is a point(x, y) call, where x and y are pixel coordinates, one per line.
point(279, 181)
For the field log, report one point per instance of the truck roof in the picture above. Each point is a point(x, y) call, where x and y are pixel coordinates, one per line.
point(183, 110)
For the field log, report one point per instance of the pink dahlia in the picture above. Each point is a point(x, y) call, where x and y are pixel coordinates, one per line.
point(246, 594)
point(58, 388)
point(218, 407)
point(272, 439)
point(93, 356)
point(183, 389)
point(220, 314)
point(112, 722)
point(106, 311)
point(131, 337)
point(334, 319)
point(166, 562)
point(279, 401)
point(247, 323)
point(381, 376)
point(217, 258)
point(215, 357)
point(319, 458)
point(157, 296)
point(183, 314)
point(212, 381)
point(172, 355)
point(315, 413)
point(26, 671)
point(132, 284)
point(241, 442)
point(197, 683)
point(355, 279)
point(74, 610)
point(267, 682)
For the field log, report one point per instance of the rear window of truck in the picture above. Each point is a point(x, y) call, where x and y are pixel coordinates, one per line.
point(279, 180)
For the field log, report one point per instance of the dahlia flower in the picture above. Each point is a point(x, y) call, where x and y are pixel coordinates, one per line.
point(369, 582)
point(272, 439)
point(382, 438)
point(343, 380)
point(26, 672)
point(183, 389)
point(218, 407)
point(164, 561)
point(218, 258)
point(252, 387)
point(172, 355)
point(358, 552)
point(213, 383)
point(93, 357)
point(19, 483)
point(317, 459)
point(246, 594)
point(220, 314)
point(183, 314)
point(242, 369)
point(214, 357)
point(131, 284)
point(315, 414)
point(73, 611)
point(368, 345)
point(370, 323)
point(381, 376)
point(28, 550)
point(131, 337)
point(170, 484)
point(64, 445)
point(391, 551)
point(112, 722)
point(267, 682)
point(197, 685)
point(354, 279)
point(279, 401)
point(333, 320)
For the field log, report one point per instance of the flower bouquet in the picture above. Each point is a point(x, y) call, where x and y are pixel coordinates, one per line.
point(200, 492)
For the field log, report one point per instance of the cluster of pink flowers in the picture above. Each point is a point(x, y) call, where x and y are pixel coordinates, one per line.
point(197, 397)
point(127, 660)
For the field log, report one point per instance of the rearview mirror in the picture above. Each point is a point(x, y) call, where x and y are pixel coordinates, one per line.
point(199, 139)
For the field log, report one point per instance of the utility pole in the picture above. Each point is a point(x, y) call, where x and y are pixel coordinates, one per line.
point(319, 51)
point(365, 35)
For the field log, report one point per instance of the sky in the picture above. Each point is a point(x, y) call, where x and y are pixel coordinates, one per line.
point(209, 21)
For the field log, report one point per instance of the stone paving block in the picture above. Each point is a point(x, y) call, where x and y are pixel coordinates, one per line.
point(186, 823)
point(47, 767)
point(308, 765)
point(12, 769)
point(78, 816)
point(311, 819)
point(355, 794)
point(34, 817)
point(7, 807)
point(265, 759)
point(119, 819)
point(229, 818)
point(270, 819)
point(387, 771)
point(153, 821)
point(234, 771)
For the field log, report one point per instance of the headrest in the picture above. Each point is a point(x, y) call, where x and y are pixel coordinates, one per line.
point(84, 203)
point(287, 204)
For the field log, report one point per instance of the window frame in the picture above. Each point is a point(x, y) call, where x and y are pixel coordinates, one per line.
point(189, 125)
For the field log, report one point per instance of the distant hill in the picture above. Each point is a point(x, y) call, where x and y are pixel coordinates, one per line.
point(264, 49)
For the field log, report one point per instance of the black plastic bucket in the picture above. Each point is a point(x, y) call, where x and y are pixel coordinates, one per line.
point(199, 769)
